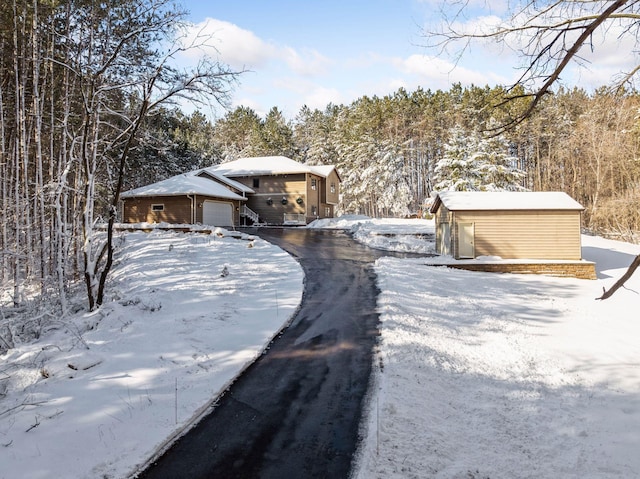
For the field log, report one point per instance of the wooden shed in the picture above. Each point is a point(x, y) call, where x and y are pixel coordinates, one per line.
point(508, 225)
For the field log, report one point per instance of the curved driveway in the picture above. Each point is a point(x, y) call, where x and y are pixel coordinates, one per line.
point(295, 412)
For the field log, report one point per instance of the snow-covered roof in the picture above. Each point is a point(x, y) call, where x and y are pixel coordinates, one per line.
point(322, 170)
point(267, 165)
point(186, 184)
point(505, 200)
point(196, 182)
point(223, 179)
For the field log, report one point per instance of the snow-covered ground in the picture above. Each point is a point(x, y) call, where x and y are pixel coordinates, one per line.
point(483, 375)
point(477, 375)
point(506, 376)
point(102, 392)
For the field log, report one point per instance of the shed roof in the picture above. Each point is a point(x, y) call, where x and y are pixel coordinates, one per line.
point(504, 200)
point(267, 165)
point(186, 184)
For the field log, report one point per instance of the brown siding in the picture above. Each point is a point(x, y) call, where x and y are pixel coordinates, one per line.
point(291, 186)
point(274, 213)
point(332, 198)
point(177, 209)
point(523, 234)
point(314, 197)
point(275, 187)
point(276, 184)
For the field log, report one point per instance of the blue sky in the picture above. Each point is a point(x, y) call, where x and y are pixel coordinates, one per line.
point(316, 52)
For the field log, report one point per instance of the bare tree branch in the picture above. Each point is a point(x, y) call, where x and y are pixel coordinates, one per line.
point(550, 46)
point(623, 279)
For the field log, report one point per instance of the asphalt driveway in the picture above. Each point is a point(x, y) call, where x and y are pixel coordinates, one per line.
point(296, 411)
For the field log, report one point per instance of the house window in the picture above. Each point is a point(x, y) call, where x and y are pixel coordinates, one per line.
point(327, 211)
point(157, 207)
point(314, 211)
point(256, 182)
point(333, 187)
point(314, 184)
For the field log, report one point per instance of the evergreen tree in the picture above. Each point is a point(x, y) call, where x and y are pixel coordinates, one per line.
point(458, 169)
point(276, 135)
point(473, 163)
point(237, 135)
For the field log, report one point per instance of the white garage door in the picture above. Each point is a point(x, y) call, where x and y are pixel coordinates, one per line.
point(217, 213)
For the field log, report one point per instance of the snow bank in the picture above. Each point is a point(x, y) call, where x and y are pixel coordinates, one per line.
point(388, 234)
point(505, 376)
point(97, 396)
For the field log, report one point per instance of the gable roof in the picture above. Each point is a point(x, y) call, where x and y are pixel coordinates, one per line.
point(203, 173)
point(504, 200)
point(267, 165)
point(324, 170)
point(186, 184)
point(216, 180)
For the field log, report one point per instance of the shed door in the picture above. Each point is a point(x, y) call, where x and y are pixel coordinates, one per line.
point(217, 213)
point(465, 240)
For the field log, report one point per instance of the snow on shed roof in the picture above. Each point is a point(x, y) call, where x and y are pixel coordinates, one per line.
point(505, 200)
point(267, 165)
point(186, 184)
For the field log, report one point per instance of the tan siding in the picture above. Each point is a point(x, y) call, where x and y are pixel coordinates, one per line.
point(524, 234)
point(276, 184)
point(443, 217)
point(275, 187)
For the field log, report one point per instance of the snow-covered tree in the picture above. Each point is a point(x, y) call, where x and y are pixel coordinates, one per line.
point(458, 169)
point(498, 169)
point(474, 163)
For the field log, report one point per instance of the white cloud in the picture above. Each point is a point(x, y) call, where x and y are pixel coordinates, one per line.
point(482, 25)
point(230, 44)
point(306, 92)
point(320, 97)
point(241, 49)
point(433, 70)
point(306, 63)
point(249, 102)
point(610, 51)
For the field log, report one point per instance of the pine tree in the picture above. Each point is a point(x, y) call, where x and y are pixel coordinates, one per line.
point(473, 163)
point(458, 169)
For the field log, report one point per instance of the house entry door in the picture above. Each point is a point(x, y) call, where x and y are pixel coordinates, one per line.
point(466, 240)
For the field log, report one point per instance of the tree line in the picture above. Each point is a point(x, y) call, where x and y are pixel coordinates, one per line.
point(392, 152)
point(82, 87)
